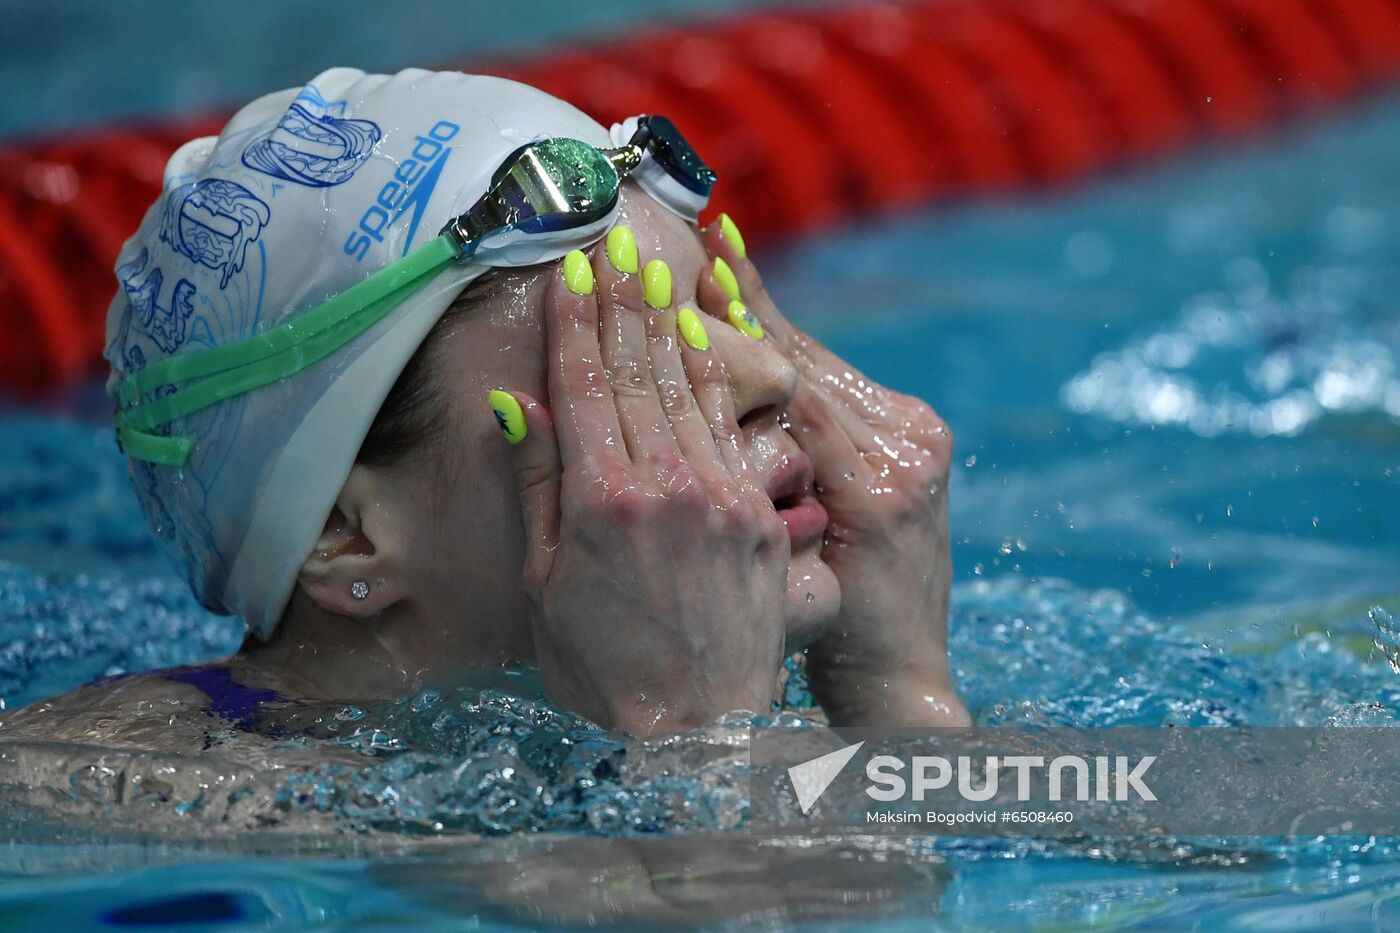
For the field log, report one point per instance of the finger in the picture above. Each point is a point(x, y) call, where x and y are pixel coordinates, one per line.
point(814, 424)
point(624, 313)
point(535, 457)
point(730, 276)
point(731, 270)
point(855, 398)
point(580, 396)
point(665, 338)
point(714, 397)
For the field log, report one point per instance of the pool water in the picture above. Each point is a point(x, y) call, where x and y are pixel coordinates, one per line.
point(1176, 398)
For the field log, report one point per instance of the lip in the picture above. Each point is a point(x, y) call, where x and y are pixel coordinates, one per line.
point(804, 516)
point(793, 476)
point(806, 522)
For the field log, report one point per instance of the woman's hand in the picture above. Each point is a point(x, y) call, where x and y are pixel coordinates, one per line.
point(656, 565)
point(882, 461)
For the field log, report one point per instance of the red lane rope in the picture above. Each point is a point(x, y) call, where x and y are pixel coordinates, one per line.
point(809, 117)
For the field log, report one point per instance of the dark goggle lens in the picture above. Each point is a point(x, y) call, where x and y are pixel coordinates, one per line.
point(670, 150)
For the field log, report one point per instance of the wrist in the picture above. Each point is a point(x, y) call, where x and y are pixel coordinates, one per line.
point(906, 695)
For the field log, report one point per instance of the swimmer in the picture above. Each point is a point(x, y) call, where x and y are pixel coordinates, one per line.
point(569, 444)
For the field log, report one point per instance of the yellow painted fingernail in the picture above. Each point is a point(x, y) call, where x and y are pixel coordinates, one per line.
point(578, 274)
point(692, 330)
point(725, 277)
point(730, 232)
point(509, 418)
point(622, 250)
point(742, 318)
point(656, 284)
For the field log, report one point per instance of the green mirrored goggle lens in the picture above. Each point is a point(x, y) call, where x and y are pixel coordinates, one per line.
point(544, 187)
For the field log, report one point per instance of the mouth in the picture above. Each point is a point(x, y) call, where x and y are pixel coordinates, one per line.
point(794, 496)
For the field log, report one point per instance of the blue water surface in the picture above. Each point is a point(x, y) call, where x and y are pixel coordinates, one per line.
point(1176, 399)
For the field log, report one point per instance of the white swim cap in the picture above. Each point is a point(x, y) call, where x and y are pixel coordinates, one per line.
point(305, 193)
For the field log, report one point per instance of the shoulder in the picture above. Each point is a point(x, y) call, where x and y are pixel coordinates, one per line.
point(161, 711)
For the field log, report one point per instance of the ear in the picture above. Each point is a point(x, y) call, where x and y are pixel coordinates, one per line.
point(356, 547)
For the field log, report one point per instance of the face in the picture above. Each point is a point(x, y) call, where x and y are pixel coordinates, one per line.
point(462, 561)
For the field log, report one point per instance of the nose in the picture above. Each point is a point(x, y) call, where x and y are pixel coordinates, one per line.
point(764, 380)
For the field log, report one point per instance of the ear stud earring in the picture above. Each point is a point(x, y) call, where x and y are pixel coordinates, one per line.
point(359, 589)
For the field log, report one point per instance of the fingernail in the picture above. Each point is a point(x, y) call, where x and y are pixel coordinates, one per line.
point(730, 232)
point(578, 274)
point(656, 284)
point(692, 330)
point(725, 277)
point(622, 250)
point(509, 418)
point(743, 319)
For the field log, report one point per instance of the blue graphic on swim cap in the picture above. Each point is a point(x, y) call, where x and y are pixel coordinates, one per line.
point(213, 221)
point(315, 151)
point(166, 326)
point(313, 99)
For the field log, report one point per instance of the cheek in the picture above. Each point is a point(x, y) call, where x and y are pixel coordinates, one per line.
point(764, 452)
point(472, 544)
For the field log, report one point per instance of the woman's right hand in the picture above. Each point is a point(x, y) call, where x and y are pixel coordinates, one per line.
point(655, 563)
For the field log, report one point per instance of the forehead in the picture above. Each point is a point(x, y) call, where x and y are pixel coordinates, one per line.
point(505, 311)
point(662, 234)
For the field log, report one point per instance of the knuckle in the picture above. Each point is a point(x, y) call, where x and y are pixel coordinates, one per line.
point(676, 400)
point(590, 501)
point(723, 423)
point(668, 465)
point(586, 381)
point(629, 374)
point(530, 476)
point(628, 507)
point(710, 374)
point(692, 500)
point(733, 504)
point(927, 427)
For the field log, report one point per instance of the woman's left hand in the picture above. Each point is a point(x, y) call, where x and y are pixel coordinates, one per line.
point(882, 462)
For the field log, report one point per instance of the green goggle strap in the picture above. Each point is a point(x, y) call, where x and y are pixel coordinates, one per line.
point(265, 358)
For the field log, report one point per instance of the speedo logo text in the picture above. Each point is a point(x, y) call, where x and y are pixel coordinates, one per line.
point(407, 192)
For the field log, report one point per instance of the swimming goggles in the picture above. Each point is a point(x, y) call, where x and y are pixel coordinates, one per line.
point(542, 189)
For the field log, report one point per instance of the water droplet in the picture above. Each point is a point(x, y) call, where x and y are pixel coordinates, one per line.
point(1386, 637)
point(1005, 546)
point(1314, 521)
point(979, 569)
point(1021, 544)
point(1229, 511)
point(970, 461)
point(1176, 558)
